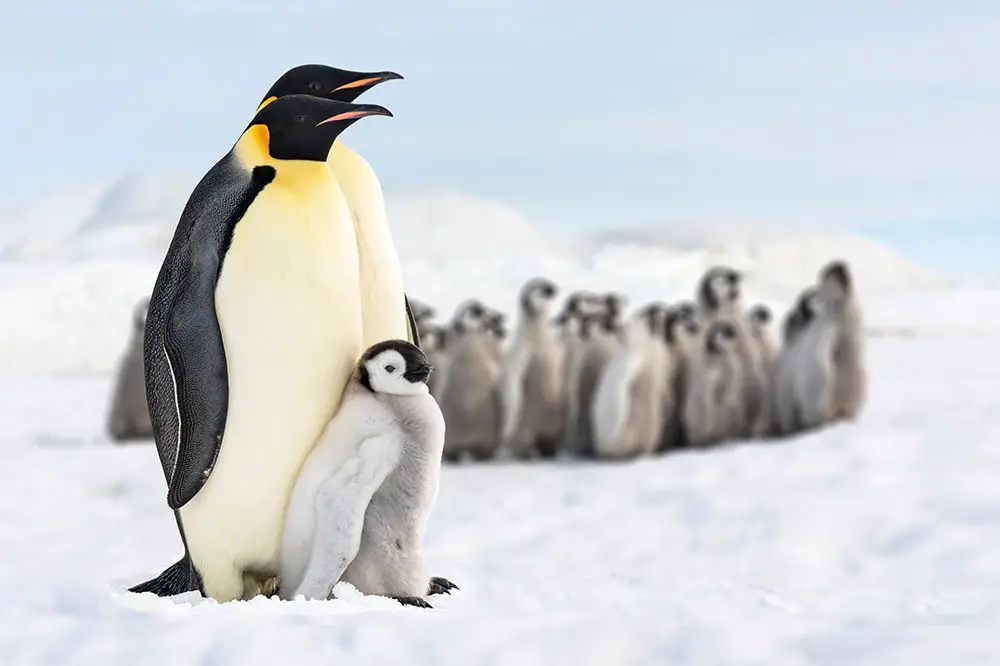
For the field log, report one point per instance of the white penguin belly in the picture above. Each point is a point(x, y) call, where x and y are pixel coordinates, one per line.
point(288, 306)
point(383, 309)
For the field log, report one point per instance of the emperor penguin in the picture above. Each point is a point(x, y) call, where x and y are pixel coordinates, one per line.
point(434, 342)
point(633, 394)
point(363, 497)
point(784, 406)
point(603, 334)
point(830, 377)
point(714, 400)
point(385, 311)
point(573, 322)
point(253, 330)
point(531, 377)
point(681, 335)
point(496, 325)
point(470, 399)
point(763, 353)
point(128, 415)
point(719, 297)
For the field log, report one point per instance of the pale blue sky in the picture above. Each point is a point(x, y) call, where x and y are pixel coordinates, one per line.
point(857, 114)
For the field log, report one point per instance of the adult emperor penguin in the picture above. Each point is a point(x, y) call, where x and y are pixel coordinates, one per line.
point(362, 499)
point(253, 330)
point(128, 415)
point(830, 377)
point(531, 383)
point(632, 395)
point(384, 309)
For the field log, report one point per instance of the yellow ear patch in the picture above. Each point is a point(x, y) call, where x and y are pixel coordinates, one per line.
point(265, 103)
point(253, 148)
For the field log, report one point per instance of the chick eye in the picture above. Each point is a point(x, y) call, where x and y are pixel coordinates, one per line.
point(314, 86)
point(390, 369)
point(300, 118)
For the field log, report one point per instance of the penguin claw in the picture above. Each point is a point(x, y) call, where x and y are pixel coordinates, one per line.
point(413, 601)
point(440, 585)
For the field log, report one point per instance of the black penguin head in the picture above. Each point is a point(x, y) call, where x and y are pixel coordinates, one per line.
point(536, 295)
point(342, 85)
point(614, 304)
point(759, 316)
point(677, 320)
point(470, 316)
point(836, 281)
point(421, 311)
point(721, 337)
point(654, 317)
point(719, 286)
point(394, 366)
point(301, 127)
point(495, 323)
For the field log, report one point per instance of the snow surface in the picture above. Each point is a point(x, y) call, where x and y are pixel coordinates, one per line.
point(867, 544)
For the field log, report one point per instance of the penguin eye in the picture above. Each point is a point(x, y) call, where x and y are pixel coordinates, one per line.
point(314, 86)
point(300, 118)
point(390, 368)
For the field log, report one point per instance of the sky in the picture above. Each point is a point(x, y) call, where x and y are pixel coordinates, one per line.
point(882, 117)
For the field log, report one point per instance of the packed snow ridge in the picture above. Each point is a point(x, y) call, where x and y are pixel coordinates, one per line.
point(73, 264)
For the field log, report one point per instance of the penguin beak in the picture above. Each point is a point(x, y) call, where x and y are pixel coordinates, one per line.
point(420, 372)
point(359, 111)
point(369, 80)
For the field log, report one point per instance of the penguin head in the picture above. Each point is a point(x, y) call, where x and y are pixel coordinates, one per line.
point(810, 304)
point(495, 323)
point(421, 311)
point(759, 316)
point(614, 304)
point(301, 127)
point(342, 85)
point(434, 337)
point(679, 321)
point(654, 317)
point(470, 316)
point(721, 338)
point(537, 295)
point(719, 286)
point(396, 367)
point(139, 315)
point(686, 310)
point(835, 281)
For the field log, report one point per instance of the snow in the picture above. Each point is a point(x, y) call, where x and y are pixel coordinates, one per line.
point(872, 543)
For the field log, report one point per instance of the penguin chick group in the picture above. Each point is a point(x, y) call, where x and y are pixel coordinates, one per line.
point(587, 381)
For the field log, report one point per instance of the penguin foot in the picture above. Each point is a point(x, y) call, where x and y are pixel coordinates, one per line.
point(413, 601)
point(450, 456)
point(440, 585)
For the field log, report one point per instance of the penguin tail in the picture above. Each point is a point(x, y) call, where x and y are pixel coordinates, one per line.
point(178, 578)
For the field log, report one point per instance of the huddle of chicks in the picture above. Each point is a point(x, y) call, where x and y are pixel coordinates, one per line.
point(592, 383)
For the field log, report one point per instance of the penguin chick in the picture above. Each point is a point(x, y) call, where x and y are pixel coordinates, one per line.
point(496, 326)
point(128, 415)
point(714, 401)
point(681, 333)
point(470, 398)
point(797, 322)
point(719, 293)
point(763, 353)
point(361, 501)
point(434, 342)
point(633, 395)
point(830, 377)
point(579, 308)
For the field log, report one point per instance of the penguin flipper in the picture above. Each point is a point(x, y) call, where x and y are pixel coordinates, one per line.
point(193, 343)
point(411, 323)
point(178, 578)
